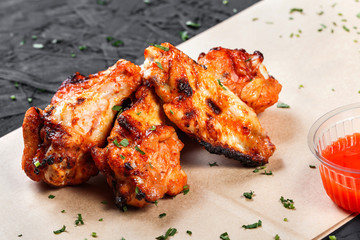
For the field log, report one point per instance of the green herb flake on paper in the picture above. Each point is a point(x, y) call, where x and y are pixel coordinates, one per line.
point(299, 10)
point(213, 164)
point(162, 215)
point(169, 233)
point(248, 195)
point(267, 173)
point(79, 220)
point(189, 232)
point(252, 226)
point(101, 219)
point(94, 235)
point(346, 29)
point(320, 13)
point(358, 15)
point(225, 236)
point(282, 105)
point(312, 166)
point(186, 189)
point(287, 203)
point(285, 220)
point(51, 196)
point(255, 19)
point(301, 86)
point(277, 237)
point(60, 230)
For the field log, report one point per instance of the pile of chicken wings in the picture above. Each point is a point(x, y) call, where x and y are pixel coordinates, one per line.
point(117, 121)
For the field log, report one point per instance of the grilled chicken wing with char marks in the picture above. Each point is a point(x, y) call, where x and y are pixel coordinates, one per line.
point(198, 103)
point(142, 159)
point(244, 74)
point(58, 140)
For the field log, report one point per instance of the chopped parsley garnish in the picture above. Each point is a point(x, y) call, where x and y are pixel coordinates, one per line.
point(225, 236)
point(37, 163)
point(159, 65)
point(62, 211)
point(184, 35)
point(213, 164)
point(267, 173)
point(300, 10)
point(115, 142)
point(101, 2)
point(252, 226)
point(225, 2)
point(258, 169)
point(186, 189)
point(117, 43)
point(301, 86)
point(60, 230)
point(122, 156)
point(147, 1)
point(151, 165)
point(221, 85)
point(51, 196)
point(312, 166)
point(358, 15)
point(189, 232)
point(104, 202)
point(124, 208)
point(321, 13)
point(160, 47)
point(346, 29)
point(162, 215)
point(156, 202)
point(82, 48)
point(249, 59)
point(20, 235)
point(34, 37)
point(138, 113)
point(139, 150)
point(277, 237)
point(93, 234)
point(117, 108)
point(29, 100)
point(248, 195)
point(169, 233)
point(12, 97)
point(282, 105)
point(109, 38)
point(172, 113)
point(153, 128)
point(288, 203)
point(16, 84)
point(73, 55)
point(192, 24)
point(332, 237)
point(101, 219)
point(285, 219)
point(79, 220)
point(255, 19)
point(22, 42)
point(137, 190)
point(124, 142)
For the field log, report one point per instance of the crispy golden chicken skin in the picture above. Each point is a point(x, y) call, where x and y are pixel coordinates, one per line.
point(142, 159)
point(243, 74)
point(58, 140)
point(198, 103)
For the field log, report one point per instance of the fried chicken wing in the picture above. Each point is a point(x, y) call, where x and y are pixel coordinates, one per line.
point(243, 74)
point(199, 104)
point(142, 159)
point(58, 140)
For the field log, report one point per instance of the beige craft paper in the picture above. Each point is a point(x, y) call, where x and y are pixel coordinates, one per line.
point(325, 63)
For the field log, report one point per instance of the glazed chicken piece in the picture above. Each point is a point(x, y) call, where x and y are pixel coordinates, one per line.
point(201, 106)
point(142, 159)
point(58, 140)
point(243, 74)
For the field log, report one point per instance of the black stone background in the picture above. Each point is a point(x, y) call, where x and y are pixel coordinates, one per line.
point(63, 26)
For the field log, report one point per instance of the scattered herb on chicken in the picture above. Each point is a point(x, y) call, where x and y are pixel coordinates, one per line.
point(153, 128)
point(248, 195)
point(252, 226)
point(159, 65)
point(221, 85)
point(139, 150)
point(124, 142)
point(116, 143)
point(160, 47)
point(287, 203)
point(60, 230)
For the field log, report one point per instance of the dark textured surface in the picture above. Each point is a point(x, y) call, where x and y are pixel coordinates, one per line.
point(63, 26)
